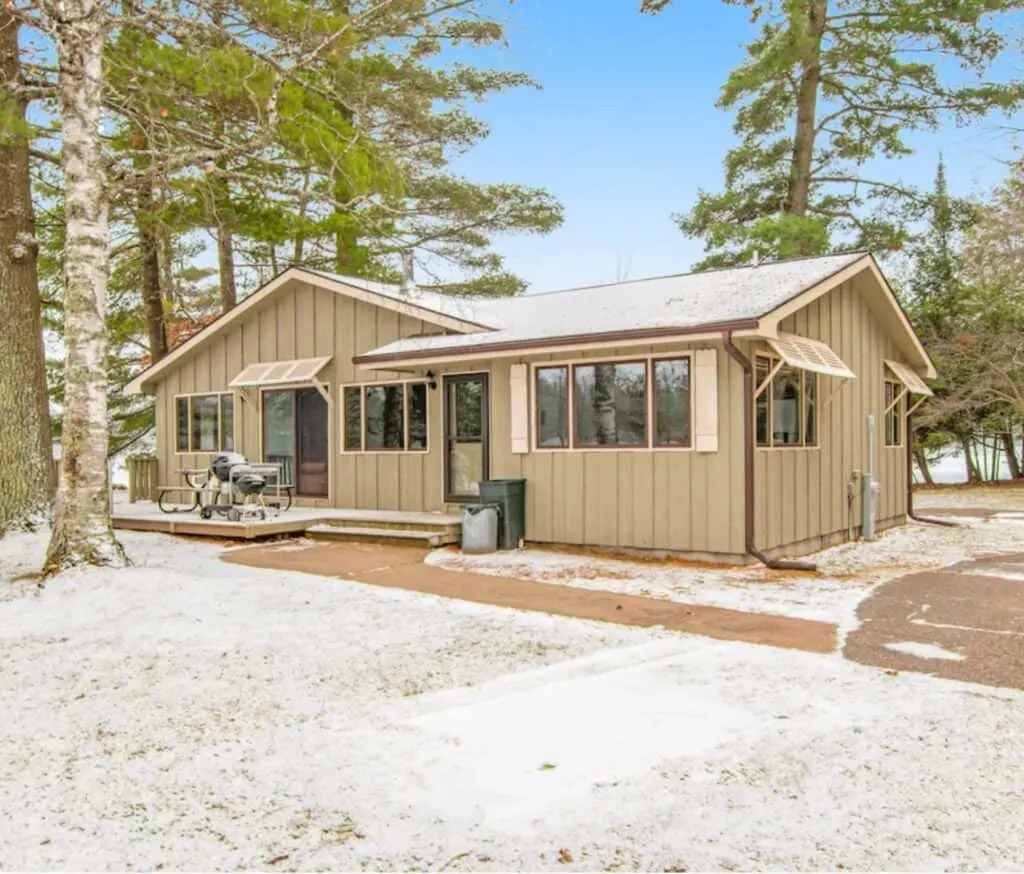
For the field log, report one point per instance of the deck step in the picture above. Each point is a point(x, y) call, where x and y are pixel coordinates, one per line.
point(415, 537)
point(441, 526)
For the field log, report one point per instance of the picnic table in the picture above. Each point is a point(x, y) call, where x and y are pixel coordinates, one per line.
point(198, 489)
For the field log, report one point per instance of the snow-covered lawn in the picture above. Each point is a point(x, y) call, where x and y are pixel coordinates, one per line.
point(848, 572)
point(190, 714)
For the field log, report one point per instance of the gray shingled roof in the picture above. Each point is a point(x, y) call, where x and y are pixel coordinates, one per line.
point(685, 301)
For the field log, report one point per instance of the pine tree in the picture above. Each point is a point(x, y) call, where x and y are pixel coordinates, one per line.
point(26, 451)
point(828, 87)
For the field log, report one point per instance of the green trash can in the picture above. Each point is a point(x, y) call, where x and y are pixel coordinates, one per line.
point(510, 495)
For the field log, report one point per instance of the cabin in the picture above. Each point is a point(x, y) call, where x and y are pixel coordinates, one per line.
point(726, 415)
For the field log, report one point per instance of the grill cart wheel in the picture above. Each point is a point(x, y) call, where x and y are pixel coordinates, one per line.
point(206, 513)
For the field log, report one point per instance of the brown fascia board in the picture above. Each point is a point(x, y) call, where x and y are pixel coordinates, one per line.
point(610, 337)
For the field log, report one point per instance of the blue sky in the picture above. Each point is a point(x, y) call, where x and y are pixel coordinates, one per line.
point(625, 130)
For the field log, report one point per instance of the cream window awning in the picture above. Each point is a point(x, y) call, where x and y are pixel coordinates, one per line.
point(271, 373)
point(910, 378)
point(807, 354)
point(279, 372)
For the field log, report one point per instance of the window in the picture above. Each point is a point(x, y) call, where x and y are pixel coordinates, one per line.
point(353, 412)
point(553, 407)
point(384, 411)
point(205, 423)
point(627, 404)
point(893, 413)
point(418, 416)
point(611, 404)
point(384, 417)
point(672, 402)
point(227, 423)
point(785, 411)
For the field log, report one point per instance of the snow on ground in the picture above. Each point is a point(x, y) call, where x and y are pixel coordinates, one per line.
point(188, 714)
point(925, 650)
point(847, 573)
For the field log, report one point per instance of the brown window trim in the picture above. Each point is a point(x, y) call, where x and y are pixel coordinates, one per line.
point(653, 418)
point(896, 412)
point(568, 404)
point(624, 447)
point(406, 406)
point(571, 364)
point(220, 395)
point(771, 445)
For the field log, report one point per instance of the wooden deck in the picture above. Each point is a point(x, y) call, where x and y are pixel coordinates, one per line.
point(146, 516)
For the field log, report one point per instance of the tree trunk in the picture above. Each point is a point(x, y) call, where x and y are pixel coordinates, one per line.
point(922, 465)
point(26, 444)
point(973, 474)
point(226, 264)
point(81, 528)
point(806, 112)
point(1010, 450)
point(152, 291)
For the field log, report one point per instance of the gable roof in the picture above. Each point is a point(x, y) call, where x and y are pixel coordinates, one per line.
point(753, 299)
point(446, 311)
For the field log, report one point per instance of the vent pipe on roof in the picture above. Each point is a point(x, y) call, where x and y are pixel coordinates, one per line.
point(408, 277)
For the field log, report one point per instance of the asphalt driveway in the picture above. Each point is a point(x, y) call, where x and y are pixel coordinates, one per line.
point(963, 622)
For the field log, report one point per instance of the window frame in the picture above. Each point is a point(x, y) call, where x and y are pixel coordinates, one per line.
point(406, 385)
point(773, 359)
point(899, 401)
point(219, 395)
point(649, 411)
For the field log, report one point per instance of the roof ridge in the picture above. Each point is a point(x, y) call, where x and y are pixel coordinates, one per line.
point(697, 272)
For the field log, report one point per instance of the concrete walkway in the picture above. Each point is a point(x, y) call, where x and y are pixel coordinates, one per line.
point(403, 568)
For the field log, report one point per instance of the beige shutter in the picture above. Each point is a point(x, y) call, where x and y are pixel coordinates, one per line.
point(705, 407)
point(519, 412)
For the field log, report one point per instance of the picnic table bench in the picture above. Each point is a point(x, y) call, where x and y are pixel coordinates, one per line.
point(197, 490)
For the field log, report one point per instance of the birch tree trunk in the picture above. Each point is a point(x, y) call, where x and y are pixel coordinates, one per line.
point(26, 446)
point(82, 534)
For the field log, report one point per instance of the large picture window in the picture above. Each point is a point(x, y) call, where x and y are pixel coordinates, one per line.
point(893, 413)
point(622, 404)
point(384, 417)
point(205, 423)
point(785, 410)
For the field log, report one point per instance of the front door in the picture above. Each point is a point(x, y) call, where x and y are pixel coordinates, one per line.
point(467, 451)
point(295, 423)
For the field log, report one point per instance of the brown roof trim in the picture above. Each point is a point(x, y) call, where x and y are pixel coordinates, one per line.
point(610, 337)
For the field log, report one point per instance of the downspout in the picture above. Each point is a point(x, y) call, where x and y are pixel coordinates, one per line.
point(908, 438)
point(748, 464)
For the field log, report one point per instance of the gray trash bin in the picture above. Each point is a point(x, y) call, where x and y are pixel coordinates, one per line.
point(480, 528)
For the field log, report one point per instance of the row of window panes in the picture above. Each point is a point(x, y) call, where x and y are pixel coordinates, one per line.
point(609, 404)
point(206, 423)
point(786, 411)
point(385, 417)
point(894, 417)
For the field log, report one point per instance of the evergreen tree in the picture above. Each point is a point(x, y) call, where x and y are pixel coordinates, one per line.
point(829, 86)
